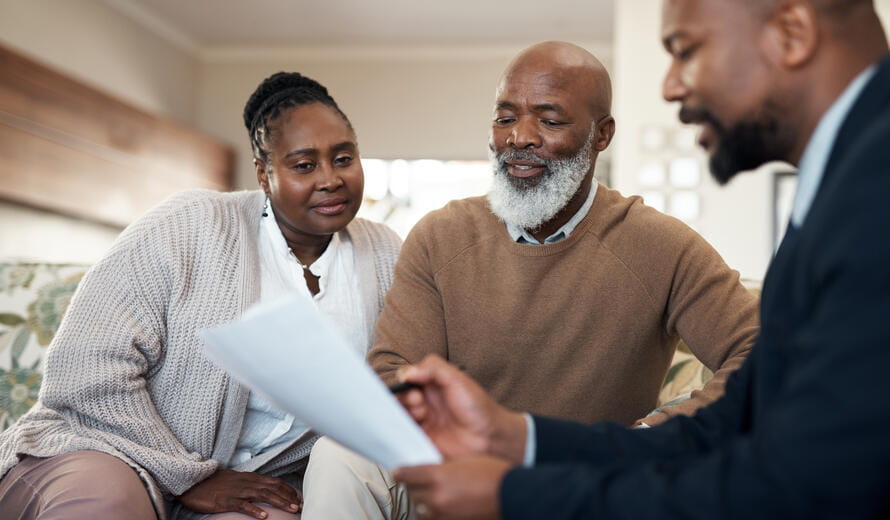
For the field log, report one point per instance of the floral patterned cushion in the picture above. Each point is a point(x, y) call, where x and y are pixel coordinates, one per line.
point(686, 374)
point(33, 298)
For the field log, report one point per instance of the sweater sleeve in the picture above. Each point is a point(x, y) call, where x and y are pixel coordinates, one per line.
point(713, 313)
point(412, 323)
point(99, 365)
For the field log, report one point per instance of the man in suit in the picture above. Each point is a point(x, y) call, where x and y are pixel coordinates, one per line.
point(801, 431)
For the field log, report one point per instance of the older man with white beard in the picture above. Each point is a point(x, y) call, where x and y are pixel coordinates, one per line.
point(559, 296)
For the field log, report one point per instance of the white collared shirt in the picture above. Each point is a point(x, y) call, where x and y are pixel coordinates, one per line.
point(815, 155)
point(264, 425)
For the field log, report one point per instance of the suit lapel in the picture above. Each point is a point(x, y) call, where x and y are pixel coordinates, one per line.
point(874, 97)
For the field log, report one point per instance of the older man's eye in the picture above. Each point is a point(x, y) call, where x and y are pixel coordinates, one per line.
point(552, 122)
point(343, 160)
point(504, 120)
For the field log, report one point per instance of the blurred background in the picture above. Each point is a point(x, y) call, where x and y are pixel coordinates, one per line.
point(417, 80)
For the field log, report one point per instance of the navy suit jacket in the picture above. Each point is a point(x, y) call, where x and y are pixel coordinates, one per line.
point(803, 430)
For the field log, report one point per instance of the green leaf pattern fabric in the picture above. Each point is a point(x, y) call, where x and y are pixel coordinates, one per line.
point(33, 299)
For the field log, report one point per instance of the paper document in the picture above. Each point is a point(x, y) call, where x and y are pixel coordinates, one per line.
point(295, 357)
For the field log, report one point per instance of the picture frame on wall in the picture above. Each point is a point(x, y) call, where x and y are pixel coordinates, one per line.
point(784, 188)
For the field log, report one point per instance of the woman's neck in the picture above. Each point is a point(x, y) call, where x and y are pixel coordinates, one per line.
point(307, 248)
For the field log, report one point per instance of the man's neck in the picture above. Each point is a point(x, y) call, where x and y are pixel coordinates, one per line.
point(567, 212)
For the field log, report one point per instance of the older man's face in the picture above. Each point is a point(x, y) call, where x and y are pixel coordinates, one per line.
point(721, 77)
point(541, 143)
point(543, 113)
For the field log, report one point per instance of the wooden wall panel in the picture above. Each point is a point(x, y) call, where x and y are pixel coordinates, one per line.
point(69, 148)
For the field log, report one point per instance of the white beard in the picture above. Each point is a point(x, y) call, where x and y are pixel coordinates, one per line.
point(530, 207)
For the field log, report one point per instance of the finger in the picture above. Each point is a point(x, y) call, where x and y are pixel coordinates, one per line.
point(278, 493)
point(273, 498)
point(286, 491)
point(415, 477)
point(243, 506)
point(418, 413)
point(433, 370)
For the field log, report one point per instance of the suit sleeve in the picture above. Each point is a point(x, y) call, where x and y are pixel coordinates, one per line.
point(412, 323)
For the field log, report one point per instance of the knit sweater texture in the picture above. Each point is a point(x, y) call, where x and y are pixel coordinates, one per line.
point(582, 329)
point(126, 373)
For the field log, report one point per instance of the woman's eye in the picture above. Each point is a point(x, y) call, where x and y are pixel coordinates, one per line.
point(304, 166)
point(343, 160)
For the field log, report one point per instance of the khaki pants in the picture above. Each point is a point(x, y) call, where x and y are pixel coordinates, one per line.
point(80, 484)
point(342, 485)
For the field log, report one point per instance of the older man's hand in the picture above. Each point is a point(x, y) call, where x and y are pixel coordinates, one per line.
point(457, 414)
point(465, 488)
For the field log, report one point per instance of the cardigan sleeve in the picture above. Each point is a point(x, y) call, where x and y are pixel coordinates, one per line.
point(99, 364)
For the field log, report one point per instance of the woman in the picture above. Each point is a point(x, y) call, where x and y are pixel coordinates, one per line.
point(133, 421)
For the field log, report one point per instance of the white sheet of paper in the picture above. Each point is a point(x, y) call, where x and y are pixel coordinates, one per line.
point(294, 356)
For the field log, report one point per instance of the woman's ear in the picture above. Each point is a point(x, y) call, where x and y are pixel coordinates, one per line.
point(262, 176)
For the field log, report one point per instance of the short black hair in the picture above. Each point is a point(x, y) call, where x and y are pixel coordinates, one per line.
point(277, 93)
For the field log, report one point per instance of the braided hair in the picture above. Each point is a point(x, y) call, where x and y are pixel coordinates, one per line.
point(275, 95)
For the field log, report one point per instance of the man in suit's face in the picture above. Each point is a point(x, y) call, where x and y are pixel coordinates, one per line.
point(726, 72)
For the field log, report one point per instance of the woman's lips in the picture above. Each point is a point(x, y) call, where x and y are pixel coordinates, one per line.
point(331, 207)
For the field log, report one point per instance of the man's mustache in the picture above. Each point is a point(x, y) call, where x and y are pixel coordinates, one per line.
point(520, 155)
point(689, 115)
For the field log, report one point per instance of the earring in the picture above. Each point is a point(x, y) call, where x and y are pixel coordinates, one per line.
point(266, 206)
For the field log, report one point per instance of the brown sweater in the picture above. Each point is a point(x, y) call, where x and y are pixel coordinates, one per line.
point(582, 329)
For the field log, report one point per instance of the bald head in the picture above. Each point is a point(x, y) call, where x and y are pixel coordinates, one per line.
point(567, 65)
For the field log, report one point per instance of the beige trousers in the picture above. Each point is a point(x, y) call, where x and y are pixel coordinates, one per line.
point(80, 484)
point(341, 485)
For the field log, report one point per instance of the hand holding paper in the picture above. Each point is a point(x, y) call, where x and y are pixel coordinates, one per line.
point(293, 355)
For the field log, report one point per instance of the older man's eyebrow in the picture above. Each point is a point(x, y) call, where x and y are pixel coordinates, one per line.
point(504, 104)
point(548, 107)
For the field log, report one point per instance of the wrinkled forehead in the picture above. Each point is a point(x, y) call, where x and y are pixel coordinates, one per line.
point(563, 87)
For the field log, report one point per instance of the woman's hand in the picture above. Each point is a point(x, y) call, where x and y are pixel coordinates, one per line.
point(234, 491)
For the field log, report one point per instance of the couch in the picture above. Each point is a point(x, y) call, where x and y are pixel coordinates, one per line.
point(34, 297)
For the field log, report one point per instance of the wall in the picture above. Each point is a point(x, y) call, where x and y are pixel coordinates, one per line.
point(97, 45)
point(417, 103)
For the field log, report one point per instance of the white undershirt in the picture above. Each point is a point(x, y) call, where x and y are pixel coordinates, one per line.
point(265, 426)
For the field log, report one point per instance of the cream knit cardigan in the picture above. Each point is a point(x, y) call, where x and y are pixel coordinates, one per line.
point(126, 374)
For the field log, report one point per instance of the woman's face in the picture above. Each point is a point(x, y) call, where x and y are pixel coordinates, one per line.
point(313, 175)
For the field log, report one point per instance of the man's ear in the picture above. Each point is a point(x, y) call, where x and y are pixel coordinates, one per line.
point(796, 31)
point(603, 133)
point(262, 176)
